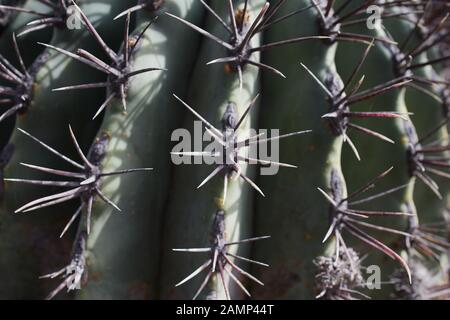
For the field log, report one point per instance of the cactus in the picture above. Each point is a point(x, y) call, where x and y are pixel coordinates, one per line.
point(325, 140)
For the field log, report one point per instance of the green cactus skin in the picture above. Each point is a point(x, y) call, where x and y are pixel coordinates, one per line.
point(41, 251)
point(189, 212)
point(294, 212)
point(141, 138)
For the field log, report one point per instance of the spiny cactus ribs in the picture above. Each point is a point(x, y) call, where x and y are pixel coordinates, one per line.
point(20, 95)
point(125, 75)
point(230, 155)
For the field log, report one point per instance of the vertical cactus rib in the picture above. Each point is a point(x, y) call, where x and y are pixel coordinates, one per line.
point(239, 51)
point(142, 136)
point(338, 114)
point(423, 127)
point(190, 212)
point(220, 258)
point(423, 99)
point(296, 231)
point(31, 254)
point(379, 69)
point(229, 158)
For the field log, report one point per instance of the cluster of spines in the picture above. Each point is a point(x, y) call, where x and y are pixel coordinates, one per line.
point(241, 32)
point(84, 185)
point(58, 15)
point(429, 155)
point(118, 70)
point(340, 114)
